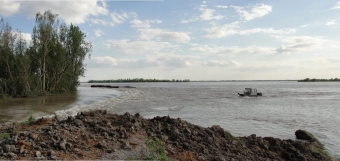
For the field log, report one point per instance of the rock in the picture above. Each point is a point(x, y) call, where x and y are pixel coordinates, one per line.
point(12, 148)
point(37, 154)
point(22, 149)
point(76, 150)
point(12, 155)
point(50, 153)
point(174, 134)
point(127, 145)
point(102, 144)
point(303, 135)
point(34, 136)
point(6, 148)
point(62, 146)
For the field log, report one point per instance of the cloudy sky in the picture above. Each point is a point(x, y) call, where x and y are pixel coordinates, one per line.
point(198, 40)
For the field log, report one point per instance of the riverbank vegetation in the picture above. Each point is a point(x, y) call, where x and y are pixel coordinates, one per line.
point(320, 80)
point(49, 63)
point(136, 80)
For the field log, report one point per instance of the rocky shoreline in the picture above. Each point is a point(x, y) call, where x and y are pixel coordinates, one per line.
point(105, 136)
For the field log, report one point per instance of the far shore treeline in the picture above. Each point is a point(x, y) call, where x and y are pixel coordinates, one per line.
point(320, 80)
point(51, 63)
point(136, 80)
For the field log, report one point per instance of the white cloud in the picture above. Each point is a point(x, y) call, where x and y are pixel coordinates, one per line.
point(256, 11)
point(225, 30)
point(307, 43)
point(231, 29)
point(267, 31)
point(221, 63)
point(127, 46)
point(119, 18)
point(69, 11)
point(219, 6)
point(104, 61)
point(136, 23)
point(174, 60)
point(101, 22)
point(109, 62)
point(234, 50)
point(159, 34)
point(114, 18)
point(98, 32)
point(161, 60)
point(302, 26)
point(333, 60)
point(206, 14)
point(8, 8)
point(27, 37)
point(332, 22)
point(337, 6)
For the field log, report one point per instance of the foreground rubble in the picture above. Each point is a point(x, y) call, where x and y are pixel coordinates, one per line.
point(102, 135)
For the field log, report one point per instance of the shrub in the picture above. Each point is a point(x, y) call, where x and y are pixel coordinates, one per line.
point(157, 148)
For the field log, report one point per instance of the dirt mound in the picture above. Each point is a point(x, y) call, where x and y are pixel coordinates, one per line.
point(101, 135)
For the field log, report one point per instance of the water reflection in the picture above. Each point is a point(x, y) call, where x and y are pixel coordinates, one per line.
point(20, 109)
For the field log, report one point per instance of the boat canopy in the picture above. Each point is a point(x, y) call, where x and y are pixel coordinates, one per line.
point(250, 91)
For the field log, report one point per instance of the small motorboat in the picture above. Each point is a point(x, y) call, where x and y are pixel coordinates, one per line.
point(251, 92)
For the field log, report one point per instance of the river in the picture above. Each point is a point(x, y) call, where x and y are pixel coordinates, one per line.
point(285, 106)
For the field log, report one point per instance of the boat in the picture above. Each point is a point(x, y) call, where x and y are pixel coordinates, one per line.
point(251, 92)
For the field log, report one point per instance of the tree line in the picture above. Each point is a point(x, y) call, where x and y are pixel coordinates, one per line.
point(320, 80)
point(136, 80)
point(51, 63)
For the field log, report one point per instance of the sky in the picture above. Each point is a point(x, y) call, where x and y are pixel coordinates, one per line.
point(197, 40)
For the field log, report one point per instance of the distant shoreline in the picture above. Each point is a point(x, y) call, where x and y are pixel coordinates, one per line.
point(189, 81)
point(177, 81)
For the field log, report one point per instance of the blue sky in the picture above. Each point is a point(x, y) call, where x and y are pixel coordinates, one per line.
point(198, 40)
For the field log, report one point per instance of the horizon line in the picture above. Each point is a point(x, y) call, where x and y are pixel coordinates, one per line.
point(89, 0)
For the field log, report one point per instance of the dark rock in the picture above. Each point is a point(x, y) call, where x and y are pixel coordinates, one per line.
point(102, 144)
point(69, 145)
point(12, 155)
point(303, 135)
point(174, 134)
point(50, 153)
point(6, 148)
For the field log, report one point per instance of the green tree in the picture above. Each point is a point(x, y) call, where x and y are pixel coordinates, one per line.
point(43, 33)
point(52, 63)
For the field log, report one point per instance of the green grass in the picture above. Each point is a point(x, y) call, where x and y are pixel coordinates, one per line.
point(317, 147)
point(30, 120)
point(310, 135)
point(229, 136)
point(4, 135)
point(157, 149)
point(4, 96)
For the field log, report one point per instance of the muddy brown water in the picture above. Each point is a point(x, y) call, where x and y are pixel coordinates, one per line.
point(20, 109)
point(285, 107)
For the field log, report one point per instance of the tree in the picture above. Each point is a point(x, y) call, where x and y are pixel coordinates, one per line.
point(52, 63)
point(7, 60)
point(43, 34)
